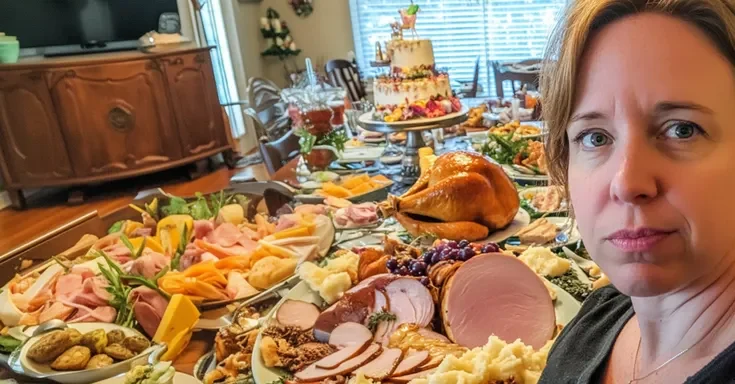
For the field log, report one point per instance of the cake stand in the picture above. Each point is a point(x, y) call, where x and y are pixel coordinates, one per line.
point(410, 170)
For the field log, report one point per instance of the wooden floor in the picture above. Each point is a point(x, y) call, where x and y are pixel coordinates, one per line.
point(48, 211)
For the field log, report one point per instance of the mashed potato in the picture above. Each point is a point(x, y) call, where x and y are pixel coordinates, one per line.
point(544, 262)
point(497, 360)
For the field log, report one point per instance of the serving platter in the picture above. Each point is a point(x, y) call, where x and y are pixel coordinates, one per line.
point(179, 378)
point(21, 364)
point(529, 193)
point(523, 177)
point(366, 121)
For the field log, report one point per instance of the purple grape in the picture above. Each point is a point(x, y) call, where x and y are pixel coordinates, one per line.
point(440, 247)
point(454, 254)
point(490, 248)
point(403, 271)
point(406, 262)
point(452, 244)
point(425, 281)
point(428, 256)
point(418, 268)
point(436, 258)
point(391, 264)
point(464, 244)
point(466, 254)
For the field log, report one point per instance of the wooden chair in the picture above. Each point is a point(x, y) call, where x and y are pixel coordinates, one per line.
point(265, 101)
point(503, 72)
point(472, 92)
point(277, 153)
point(343, 74)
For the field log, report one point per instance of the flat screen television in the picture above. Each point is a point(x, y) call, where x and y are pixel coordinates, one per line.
point(64, 27)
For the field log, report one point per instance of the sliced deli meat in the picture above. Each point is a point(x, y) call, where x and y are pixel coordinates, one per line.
point(410, 301)
point(496, 294)
point(347, 334)
point(411, 362)
point(383, 365)
point(314, 373)
point(297, 313)
point(342, 355)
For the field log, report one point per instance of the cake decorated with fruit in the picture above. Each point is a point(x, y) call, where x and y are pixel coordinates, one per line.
point(414, 88)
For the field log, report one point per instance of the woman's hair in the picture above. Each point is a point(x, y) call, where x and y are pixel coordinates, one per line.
point(581, 20)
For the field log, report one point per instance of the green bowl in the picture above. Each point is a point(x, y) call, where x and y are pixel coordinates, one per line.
point(9, 52)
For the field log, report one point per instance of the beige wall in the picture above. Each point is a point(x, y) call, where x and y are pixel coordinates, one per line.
point(326, 34)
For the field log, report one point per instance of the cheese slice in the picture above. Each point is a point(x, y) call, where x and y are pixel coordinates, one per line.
point(177, 345)
point(181, 315)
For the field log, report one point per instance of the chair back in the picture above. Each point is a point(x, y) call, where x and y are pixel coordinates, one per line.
point(277, 153)
point(505, 72)
point(343, 74)
point(472, 92)
point(266, 104)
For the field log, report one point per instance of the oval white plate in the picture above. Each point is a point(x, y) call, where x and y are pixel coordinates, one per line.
point(179, 378)
point(368, 118)
point(535, 190)
point(515, 175)
point(33, 369)
point(521, 220)
point(565, 306)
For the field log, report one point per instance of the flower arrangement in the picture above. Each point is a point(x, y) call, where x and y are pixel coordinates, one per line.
point(303, 8)
point(433, 107)
point(282, 44)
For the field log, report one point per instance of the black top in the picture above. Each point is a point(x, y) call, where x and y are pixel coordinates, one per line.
point(579, 355)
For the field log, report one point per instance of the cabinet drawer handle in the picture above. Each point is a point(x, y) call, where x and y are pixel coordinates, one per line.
point(120, 119)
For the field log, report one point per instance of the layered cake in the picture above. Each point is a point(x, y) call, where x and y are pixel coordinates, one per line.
point(414, 88)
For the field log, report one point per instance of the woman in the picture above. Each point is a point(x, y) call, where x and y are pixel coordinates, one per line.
point(640, 104)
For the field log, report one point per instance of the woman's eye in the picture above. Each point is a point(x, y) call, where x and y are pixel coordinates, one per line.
point(594, 139)
point(681, 130)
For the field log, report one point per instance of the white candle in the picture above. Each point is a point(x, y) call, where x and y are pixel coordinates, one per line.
point(276, 25)
point(292, 46)
point(265, 24)
point(279, 42)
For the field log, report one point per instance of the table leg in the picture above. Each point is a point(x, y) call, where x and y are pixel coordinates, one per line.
point(17, 200)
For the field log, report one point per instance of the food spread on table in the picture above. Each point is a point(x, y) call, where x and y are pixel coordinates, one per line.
point(515, 129)
point(526, 156)
point(350, 186)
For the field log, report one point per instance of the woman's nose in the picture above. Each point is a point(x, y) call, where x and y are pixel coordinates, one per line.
point(634, 181)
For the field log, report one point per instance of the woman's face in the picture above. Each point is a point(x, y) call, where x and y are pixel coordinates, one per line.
point(652, 154)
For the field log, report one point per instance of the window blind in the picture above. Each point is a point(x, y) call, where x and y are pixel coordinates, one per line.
point(461, 32)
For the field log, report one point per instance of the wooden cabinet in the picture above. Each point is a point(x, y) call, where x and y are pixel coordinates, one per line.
point(31, 144)
point(127, 105)
point(90, 119)
point(195, 103)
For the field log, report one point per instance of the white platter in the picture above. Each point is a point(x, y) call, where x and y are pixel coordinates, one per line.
point(532, 191)
point(367, 119)
point(565, 306)
point(261, 373)
point(21, 364)
point(560, 222)
point(179, 378)
point(521, 220)
point(515, 175)
point(358, 154)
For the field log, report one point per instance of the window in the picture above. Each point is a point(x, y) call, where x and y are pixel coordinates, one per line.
point(212, 31)
point(461, 32)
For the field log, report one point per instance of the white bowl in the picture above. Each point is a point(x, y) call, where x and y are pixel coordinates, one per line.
point(30, 368)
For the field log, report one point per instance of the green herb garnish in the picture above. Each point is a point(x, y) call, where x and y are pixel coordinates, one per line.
point(570, 282)
point(307, 141)
point(8, 344)
point(183, 242)
point(525, 204)
point(115, 227)
point(378, 317)
point(405, 237)
point(175, 206)
point(502, 148)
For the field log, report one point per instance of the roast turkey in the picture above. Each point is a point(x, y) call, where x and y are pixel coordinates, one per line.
point(462, 196)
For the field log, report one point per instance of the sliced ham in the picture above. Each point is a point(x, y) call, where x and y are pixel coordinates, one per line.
point(411, 362)
point(499, 295)
point(142, 232)
point(225, 235)
point(314, 373)
point(297, 313)
point(314, 209)
point(410, 301)
point(149, 308)
point(337, 358)
point(352, 307)
point(147, 265)
point(347, 334)
point(383, 365)
point(202, 228)
point(413, 376)
point(383, 331)
point(356, 215)
point(105, 314)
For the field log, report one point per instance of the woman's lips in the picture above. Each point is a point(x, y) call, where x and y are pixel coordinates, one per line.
point(637, 240)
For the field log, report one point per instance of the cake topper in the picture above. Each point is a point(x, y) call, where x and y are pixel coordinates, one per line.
point(408, 18)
